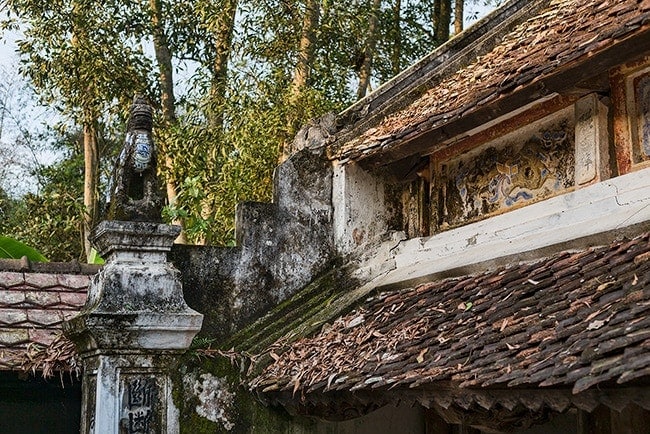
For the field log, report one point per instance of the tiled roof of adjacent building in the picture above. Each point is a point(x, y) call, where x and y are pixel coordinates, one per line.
point(562, 35)
point(34, 300)
point(574, 321)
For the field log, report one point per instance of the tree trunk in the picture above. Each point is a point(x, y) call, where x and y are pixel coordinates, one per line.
point(222, 37)
point(302, 72)
point(371, 41)
point(91, 152)
point(437, 5)
point(396, 54)
point(91, 174)
point(168, 100)
point(306, 47)
point(222, 30)
point(441, 20)
point(459, 14)
point(164, 60)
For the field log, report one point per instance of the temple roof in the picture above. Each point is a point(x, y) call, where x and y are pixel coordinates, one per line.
point(534, 60)
point(34, 301)
point(577, 320)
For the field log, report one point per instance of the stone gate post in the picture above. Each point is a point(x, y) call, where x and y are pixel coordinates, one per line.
point(131, 331)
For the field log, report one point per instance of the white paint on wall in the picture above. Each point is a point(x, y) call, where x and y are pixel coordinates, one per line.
point(603, 208)
point(215, 400)
point(591, 140)
point(359, 207)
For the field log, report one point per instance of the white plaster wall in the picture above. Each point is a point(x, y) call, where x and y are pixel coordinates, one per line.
point(604, 208)
point(359, 207)
point(591, 140)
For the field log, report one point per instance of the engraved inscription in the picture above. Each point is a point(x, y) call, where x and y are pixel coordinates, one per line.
point(139, 403)
point(586, 139)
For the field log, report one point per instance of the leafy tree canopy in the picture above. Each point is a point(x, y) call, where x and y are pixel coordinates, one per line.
point(257, 71)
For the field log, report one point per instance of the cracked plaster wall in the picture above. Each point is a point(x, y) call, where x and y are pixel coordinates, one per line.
point(281, 246)
point(320, 211)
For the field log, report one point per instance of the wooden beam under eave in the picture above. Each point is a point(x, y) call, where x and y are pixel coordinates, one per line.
point(435, 424)
point(631, 420)
point(500, 129)
point(569, 81)
point(596, 422)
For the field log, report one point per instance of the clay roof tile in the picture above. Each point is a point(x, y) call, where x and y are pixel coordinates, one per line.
point(33, 306)
point(552, 39)
point(535, 336)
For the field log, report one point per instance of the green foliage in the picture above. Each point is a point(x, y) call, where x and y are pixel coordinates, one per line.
point(76, 57)
point(238, 166)
point(222, 143)
point(13, 249)
point(51, 218)
point(95, 258)
point(7, 204)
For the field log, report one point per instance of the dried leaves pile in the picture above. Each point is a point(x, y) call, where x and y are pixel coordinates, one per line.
point(576, 319)
point(60, 357)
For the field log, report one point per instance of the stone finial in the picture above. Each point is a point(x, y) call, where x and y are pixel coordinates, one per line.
point(135, 189)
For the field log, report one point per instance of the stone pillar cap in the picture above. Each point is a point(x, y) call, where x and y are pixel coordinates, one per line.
point(114, 235)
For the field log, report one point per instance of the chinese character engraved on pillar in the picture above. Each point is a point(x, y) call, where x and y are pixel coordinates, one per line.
point(139, 404)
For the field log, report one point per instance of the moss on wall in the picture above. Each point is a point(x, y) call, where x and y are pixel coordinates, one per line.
point(210, 391)
point(211, 399)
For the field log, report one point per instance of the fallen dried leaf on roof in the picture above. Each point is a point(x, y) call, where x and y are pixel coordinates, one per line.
point(515, 336)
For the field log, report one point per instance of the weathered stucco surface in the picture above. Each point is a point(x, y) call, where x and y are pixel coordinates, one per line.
point(215, 400)
point(281, 246)
point(131, 331)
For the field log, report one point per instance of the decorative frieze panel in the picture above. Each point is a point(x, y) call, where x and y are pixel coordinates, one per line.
point(531, 164)
point(639, 110)
point(630, 91)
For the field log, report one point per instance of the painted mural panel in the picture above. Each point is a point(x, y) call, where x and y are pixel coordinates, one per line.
point(519, 169)
point(642, 118)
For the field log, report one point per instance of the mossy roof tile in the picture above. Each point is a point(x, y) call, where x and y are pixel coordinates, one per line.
point(558, 36)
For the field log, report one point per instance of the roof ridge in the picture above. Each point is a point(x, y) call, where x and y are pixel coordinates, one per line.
point(26, 266)
point(476, 40)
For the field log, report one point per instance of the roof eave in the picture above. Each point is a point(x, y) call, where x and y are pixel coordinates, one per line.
point(460, 50)
point(476, 407)
point(570, 81)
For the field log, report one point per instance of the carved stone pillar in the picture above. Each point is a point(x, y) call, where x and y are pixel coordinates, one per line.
point(130, 332)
